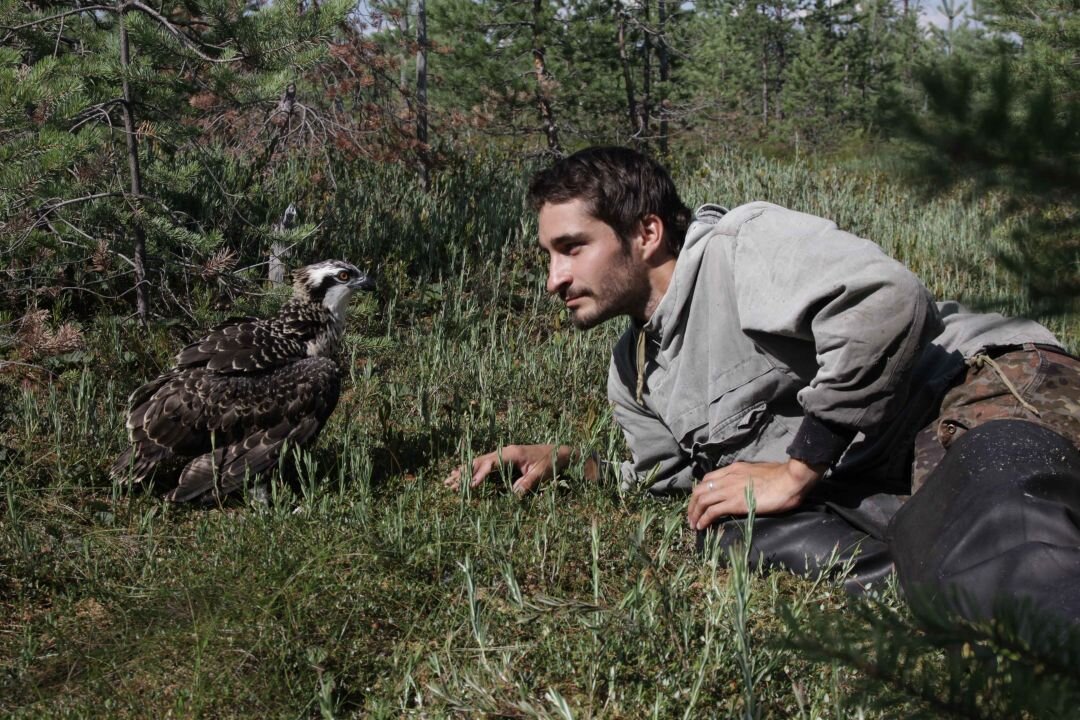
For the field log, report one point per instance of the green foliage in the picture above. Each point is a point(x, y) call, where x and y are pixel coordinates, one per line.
point(1050, 34)
point(727, 70)
point(1021, 664)
point(65, 174)
point(1007, 123)
point(371, 590)
point(789, 74)
point(487, 68)
point(1023, 139)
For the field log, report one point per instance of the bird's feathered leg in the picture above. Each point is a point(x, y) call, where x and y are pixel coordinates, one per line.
point(199, 478)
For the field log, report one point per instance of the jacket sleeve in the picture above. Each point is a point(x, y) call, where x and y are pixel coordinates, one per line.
point(800, 281)
point(657, 459)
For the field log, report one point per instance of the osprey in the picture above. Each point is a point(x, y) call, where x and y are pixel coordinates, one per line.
point(234, 399)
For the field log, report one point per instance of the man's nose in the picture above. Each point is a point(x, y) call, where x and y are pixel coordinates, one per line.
point(558, 276)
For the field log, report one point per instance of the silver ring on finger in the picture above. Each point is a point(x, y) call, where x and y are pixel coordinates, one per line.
point(711, 486)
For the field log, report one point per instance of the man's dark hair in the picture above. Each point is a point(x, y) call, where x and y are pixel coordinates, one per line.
point(620, 185)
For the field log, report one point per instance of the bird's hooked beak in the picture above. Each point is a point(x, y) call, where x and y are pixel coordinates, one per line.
point(364, 282)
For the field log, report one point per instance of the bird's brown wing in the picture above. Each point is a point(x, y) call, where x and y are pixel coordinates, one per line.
point(247, 345)
point(250, 419)
point(144, 455)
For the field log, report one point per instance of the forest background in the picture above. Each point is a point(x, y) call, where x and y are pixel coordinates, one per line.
point(158, 159)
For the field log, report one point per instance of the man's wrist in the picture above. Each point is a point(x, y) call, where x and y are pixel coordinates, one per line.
point(804, 477)
point(590, 461)
point(804, 473)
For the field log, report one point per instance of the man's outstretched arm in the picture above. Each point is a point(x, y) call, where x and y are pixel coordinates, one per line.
point(535, 463)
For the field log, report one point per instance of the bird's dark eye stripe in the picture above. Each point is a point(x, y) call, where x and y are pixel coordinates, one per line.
point(319, 291)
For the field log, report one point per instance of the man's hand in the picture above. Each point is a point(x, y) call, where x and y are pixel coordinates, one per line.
point(534, 462)
point(778, 487)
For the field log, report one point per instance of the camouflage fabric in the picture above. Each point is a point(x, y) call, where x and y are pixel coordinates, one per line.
point(1046, 382)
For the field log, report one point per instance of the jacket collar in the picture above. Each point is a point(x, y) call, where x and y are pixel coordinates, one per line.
point(662, 326)
point(681, 287)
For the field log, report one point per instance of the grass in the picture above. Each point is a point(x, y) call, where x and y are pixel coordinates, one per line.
point(375, 592)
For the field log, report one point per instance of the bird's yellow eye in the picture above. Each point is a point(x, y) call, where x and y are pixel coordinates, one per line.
point(343, 275)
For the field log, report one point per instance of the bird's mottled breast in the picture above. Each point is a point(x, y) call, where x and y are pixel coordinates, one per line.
point(325, 343)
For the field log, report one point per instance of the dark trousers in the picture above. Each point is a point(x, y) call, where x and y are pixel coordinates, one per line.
point(997, 519)
point(808, 541)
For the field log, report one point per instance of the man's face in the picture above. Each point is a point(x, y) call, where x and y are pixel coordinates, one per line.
point(589, 268)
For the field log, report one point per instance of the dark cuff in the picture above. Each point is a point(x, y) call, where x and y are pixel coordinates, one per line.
point(819, 442)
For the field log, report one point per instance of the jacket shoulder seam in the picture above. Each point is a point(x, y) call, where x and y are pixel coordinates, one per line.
point(754, 211)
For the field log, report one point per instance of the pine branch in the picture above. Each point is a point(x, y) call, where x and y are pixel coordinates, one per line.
point(157, 17)
point(175, 32)
point(952, 666)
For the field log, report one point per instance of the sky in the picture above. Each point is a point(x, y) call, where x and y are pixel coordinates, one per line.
point(932, 14)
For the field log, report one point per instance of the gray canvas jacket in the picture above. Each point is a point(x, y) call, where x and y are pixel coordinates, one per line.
point(781, 335)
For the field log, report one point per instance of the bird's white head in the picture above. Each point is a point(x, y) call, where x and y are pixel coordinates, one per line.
point(330, 283)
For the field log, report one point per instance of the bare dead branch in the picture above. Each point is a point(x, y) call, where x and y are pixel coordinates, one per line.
point(149, 12)
point(95, 111)
point(48, 209)
point(59, 16)
point(6, 363)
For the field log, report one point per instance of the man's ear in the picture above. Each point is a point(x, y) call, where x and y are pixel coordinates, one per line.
point(652, 237)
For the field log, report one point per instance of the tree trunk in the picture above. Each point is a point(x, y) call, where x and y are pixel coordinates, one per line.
point(646, 76)
point(628, 77)
point(142, 294)
point(421, 92)
point(665, 63)
point(765, 85)
point(781, 63)
point(278, 249)
point(543, 81)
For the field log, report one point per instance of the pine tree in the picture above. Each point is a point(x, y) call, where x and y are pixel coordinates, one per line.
point(500, 66)
point(1003, 118)
point(723, 78)
point(1023, 663)
point(561, 73)
point(130, 130)
point(814, 84)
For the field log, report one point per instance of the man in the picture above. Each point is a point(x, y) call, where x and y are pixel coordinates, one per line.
point(768, 349)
